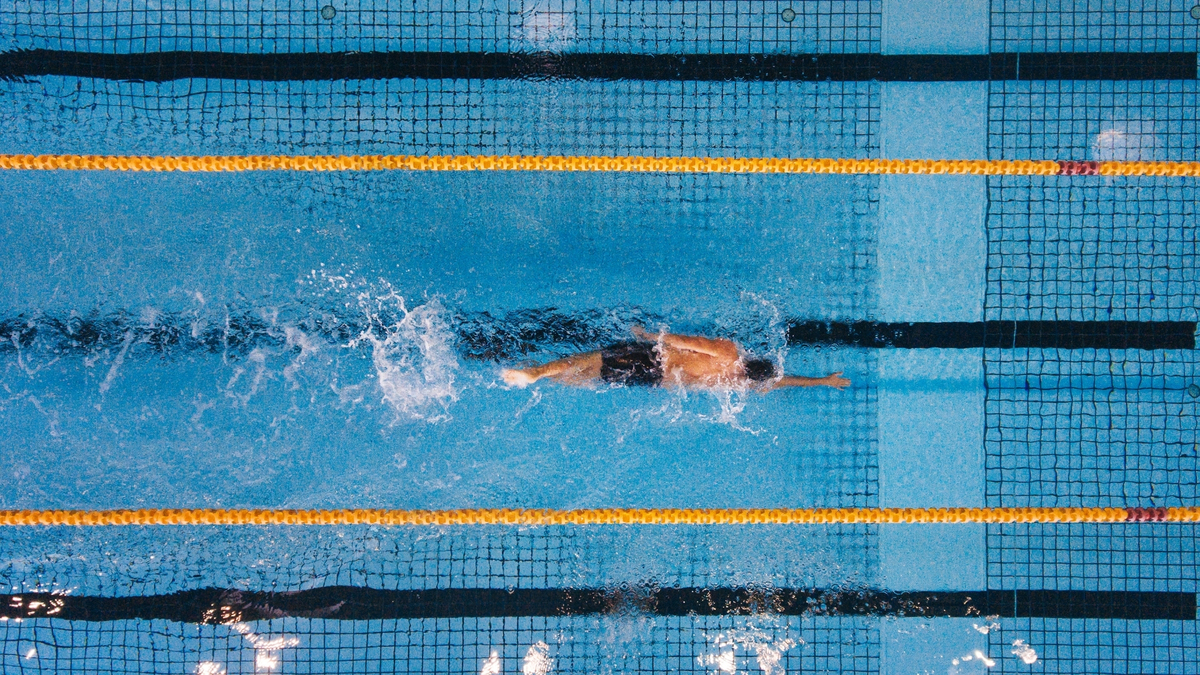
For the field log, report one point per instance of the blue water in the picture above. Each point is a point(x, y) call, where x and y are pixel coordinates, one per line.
point(391, 413)
point(286, 340)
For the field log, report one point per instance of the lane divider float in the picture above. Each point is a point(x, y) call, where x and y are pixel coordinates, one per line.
point(744, 165)
point(534, 517)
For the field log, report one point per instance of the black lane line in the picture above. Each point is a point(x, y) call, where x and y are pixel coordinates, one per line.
point(165, 66)
point(360, 604)
point(999, 334)
point(517, 334)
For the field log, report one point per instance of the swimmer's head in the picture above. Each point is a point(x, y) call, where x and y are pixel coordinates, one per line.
point(759, 370)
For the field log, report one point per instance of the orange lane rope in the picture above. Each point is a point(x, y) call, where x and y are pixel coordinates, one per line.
point(593, 164)
point(597, 516)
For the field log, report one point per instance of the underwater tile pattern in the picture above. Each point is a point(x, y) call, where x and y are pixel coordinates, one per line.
point(586, 26)
point(1093, 26)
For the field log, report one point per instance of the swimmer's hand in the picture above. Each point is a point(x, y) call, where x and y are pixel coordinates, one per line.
point(516, 378)
point(836, 381)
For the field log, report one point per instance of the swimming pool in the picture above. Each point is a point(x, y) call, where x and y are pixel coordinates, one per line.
point(333, 340)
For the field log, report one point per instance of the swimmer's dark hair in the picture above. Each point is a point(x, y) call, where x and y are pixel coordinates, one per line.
point(759, 370)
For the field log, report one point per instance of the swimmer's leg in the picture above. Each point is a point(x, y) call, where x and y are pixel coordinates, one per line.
point(579, 370)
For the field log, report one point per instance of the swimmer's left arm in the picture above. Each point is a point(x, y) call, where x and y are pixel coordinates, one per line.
point(719, 348)
point(834, 380)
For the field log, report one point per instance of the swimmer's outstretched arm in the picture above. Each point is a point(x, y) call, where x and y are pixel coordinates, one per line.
point(834, 380)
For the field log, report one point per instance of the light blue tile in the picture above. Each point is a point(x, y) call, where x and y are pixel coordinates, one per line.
point(935, 26)
point(933, 120)
point(932, 248)
point(932, 646)
point(942, 557)
point(931, 428)
point(931, 455)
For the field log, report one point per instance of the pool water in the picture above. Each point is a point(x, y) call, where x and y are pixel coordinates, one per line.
point(297, 340)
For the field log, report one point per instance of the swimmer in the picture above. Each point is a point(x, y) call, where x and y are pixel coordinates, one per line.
point(668, 359)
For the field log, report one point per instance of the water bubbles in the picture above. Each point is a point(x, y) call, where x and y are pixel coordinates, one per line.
point(537, 660)
point(789, 14)
point(1024, 652)
point(546, 28)
point(328, 12)
point(491, 666)
point(1126, 140)
point(1194, 390)
point(1196, 12)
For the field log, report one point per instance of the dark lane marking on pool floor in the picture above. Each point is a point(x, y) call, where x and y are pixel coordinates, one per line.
point(1148, 335)
point(177, 65)
point(220, 606)
point(482, 336)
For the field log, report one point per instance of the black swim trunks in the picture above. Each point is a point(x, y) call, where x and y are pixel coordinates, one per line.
point(631, 363)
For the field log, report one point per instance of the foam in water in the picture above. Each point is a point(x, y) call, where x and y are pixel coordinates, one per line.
point(412, 352)
point(976, 655)
point(545, 28)
point(267, 651)
point(988, 627)
point(1024, 652)
point(768, 652)
point(1130, 140)
point(491, 666)
point(537, 659)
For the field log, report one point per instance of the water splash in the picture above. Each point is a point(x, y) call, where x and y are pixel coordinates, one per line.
point(267, 651)
point(412, 352)
point(545, 27)
point(537, 659)
point(768, 652)
point(491, 666)
point(1128, 140)
point(1024, 652)
point(976, 655)
point(988, 627)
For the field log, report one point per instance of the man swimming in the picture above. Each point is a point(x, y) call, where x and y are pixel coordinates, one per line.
point(667, 359)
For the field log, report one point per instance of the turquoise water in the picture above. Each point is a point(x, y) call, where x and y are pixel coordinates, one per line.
point(388, 410)
point(286, 340)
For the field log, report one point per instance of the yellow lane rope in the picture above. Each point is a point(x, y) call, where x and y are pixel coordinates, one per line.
point(597, 516)
point(592, 164)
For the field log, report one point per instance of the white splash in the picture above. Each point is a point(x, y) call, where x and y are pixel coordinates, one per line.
point(116, 364)
point(732, 403)
point(726, 661)
point(769, 656)
point(257, 357)
point(1024, 652)
point(1131, 140)
point(413, 355)
point(537, 659)
point(976, 655)
point(548, 26)
point(265, 660)
point(491, 666)
point(209, 668)
point(768, 652)
point(25, 364)
point(988, 627)
point(267, 651)
point(31, 654)
point(297, 338)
